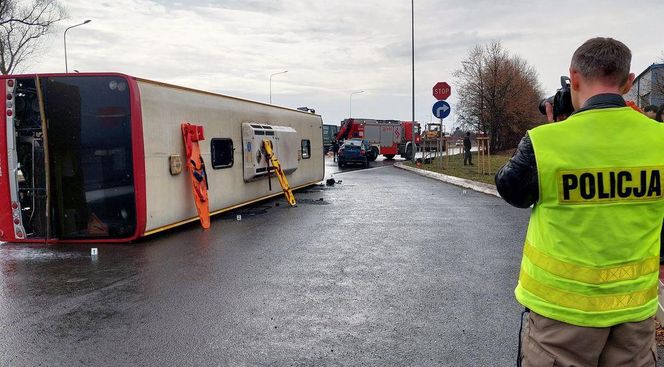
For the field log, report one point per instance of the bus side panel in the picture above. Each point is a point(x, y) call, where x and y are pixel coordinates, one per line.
point(138, 154)
point(164, 108)
point(6, 225)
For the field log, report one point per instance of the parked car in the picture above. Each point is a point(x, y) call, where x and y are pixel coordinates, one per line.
point(354, 151)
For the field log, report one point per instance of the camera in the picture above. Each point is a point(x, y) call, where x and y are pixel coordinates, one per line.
point(561, 101)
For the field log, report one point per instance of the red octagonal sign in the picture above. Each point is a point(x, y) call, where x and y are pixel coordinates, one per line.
point(442, 90)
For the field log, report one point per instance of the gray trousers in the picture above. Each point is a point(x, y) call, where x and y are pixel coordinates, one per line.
point(548, 342)
point(467, 156)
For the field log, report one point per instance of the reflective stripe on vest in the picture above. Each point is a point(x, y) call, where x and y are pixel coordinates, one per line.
point(588, 274)
point(591, 251)
point(587, 303)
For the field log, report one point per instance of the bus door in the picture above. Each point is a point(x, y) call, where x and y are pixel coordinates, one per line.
point(26, 151)
point(91, 176)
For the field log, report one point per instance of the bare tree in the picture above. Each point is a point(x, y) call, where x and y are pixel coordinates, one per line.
point(498, 94)
point(21, 27)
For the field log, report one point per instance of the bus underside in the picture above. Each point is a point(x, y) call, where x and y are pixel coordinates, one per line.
point(81, 126)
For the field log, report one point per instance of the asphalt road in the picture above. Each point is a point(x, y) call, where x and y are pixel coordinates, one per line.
point(386, 268)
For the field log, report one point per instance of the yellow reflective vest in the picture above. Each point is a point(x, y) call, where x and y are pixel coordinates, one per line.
point(591, 255)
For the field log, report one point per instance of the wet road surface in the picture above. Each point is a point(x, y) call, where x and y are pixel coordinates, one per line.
point(386, 268)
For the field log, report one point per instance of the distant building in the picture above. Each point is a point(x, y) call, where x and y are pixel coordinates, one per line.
point(648, 87)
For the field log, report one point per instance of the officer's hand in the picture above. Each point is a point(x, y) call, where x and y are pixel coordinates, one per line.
point(549, 111)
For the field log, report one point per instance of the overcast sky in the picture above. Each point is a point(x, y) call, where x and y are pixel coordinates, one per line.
point(334, 47)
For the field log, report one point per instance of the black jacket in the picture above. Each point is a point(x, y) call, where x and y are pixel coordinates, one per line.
point(466, 143)
point(517, 180)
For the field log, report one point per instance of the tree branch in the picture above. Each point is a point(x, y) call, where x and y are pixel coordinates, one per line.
point(22, 27)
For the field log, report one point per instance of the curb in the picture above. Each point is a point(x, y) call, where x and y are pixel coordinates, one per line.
point(469, 184)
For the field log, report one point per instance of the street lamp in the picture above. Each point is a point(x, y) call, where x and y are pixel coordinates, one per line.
point(65, 38)
point(350, 104)
point(271, 75)
point(412, 33)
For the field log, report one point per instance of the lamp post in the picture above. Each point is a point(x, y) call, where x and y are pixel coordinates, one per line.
point(271, 75)
point(65, 38)
point(350, 104)
point(412, 23)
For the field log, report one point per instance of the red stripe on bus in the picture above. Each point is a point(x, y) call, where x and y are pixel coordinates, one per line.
point(138, 152)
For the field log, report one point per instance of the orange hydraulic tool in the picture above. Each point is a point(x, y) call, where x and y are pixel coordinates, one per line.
point(192, 134)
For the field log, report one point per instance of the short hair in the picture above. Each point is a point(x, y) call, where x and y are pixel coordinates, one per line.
point(604, 59)
point(650, 108)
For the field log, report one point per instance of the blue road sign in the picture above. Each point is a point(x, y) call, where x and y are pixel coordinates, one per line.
point(441, 109)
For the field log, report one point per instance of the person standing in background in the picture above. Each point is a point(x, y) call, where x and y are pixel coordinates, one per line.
point(335, 149)
point(467, 155)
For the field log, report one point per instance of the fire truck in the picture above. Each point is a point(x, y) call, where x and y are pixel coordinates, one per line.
point(386, 137)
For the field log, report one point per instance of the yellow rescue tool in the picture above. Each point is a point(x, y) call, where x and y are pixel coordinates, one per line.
point(267, 145)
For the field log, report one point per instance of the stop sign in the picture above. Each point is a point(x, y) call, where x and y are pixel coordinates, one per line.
point(442, 90)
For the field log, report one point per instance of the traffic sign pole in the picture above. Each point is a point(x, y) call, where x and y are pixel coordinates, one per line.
point(441, 109)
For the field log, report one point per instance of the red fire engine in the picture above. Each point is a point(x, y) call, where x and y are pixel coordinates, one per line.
point(386, 137)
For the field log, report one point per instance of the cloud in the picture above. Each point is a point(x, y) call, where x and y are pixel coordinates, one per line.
point(334, 47)
point(434, 46)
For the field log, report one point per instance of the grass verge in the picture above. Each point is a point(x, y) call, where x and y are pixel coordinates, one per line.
point(456, 168)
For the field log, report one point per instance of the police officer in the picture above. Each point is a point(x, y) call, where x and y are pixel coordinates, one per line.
point(589, 271)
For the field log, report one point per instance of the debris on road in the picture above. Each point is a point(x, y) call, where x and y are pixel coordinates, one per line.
point(332, 181)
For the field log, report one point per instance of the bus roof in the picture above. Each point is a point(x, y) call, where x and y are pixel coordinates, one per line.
point(151, 82)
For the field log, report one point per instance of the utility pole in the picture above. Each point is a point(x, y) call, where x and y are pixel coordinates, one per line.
point(412, 23)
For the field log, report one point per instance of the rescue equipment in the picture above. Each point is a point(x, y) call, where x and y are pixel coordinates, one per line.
point(276, 166)
point(192, 134)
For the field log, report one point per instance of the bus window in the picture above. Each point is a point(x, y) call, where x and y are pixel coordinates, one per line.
point(90, 153)
point(306, 149)
point(222, 153)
